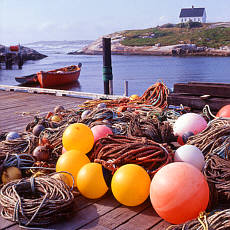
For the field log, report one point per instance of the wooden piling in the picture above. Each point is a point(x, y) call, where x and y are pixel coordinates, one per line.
point(107, 65)
point(125, 88)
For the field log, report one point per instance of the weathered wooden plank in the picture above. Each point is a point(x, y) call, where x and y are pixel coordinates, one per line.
point(37, 98)
point(117, 217)
point(208, 83)
point(88, 214)
point(142, 221)
point(6, 224)
point(203, 89)
point(163, 225)
point(195, 102)
point(29, 104)
point(59, 92)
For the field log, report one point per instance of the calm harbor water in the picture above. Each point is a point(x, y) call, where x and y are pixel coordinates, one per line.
point(140, 71)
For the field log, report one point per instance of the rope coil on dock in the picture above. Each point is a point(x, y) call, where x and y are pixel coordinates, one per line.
point(115, 150)
point(214, 139)
point(218, 220)
point(217, 171)
point(36, 201)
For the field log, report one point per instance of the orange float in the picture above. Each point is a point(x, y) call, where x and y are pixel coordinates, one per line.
point(78, 136)
point(91, 182)
point(130, 185)
point(71, 162)
point(224, 111)
point(179, 192)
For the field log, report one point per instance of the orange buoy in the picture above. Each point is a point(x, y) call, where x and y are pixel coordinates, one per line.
point(78, 136)
point(90, 181)
point(224, 111)
point(179, 192)
point(71, 162)
point(130, 185)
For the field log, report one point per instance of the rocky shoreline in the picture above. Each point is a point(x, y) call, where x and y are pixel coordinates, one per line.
point(27, 53)
point(95, 48)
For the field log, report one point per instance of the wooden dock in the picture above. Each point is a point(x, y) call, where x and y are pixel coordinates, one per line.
point(17, 109)
point(198, 94)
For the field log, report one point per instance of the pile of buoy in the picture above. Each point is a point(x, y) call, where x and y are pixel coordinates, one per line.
point(131, 147)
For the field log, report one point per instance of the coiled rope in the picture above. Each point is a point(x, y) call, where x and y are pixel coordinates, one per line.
point(114, 151)
point(214, 139)
point(217, 171)
point(36, 201)
point(218, 220)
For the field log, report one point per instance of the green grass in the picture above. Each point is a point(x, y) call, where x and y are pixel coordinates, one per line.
point(202, 36)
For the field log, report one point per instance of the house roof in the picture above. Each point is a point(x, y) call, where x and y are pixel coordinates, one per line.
point(192, 12)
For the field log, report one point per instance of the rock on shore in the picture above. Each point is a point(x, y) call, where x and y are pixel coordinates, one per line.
point(157, 50)
point(28, 53)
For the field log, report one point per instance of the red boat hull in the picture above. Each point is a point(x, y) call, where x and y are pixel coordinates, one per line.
point(58, 77)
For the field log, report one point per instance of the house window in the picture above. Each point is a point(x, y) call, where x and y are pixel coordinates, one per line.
point(199, 19)
point(194, 19)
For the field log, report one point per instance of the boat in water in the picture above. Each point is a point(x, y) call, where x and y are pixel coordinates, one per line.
point(59, 77)
point(27, 80)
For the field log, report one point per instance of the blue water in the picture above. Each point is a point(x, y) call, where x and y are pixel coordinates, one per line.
point(140, 71)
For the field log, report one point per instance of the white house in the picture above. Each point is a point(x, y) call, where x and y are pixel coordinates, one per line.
point(193, 14)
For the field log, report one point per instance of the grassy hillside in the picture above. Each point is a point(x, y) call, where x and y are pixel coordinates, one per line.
point(201, 36)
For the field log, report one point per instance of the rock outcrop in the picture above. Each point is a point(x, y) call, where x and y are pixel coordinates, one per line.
point(156, 50)
point(27, 53)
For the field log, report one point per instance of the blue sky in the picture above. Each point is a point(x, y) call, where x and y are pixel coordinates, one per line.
point(23, 21)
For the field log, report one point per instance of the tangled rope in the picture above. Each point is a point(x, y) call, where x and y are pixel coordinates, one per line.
point(36, 201)
point(156, 95)
point(217, 171)
point(25, 144)
point(215, 139)
point(114, 151)
point(20, 161)
point(161, 132)
point(218, 220)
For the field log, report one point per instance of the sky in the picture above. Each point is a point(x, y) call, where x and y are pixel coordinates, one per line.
point(25, 21)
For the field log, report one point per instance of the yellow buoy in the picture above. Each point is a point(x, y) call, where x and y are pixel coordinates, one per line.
point(91, 182)
point(134, 97)
point(78, 136)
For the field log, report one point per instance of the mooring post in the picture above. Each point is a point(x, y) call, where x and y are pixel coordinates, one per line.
point(107, 66)
point(125, 88)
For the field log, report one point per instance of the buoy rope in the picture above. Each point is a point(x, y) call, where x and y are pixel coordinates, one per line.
point(207, 112)
point(202, 218)
point(36, 201)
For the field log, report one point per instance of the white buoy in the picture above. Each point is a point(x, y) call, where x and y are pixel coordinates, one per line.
point(190, 154)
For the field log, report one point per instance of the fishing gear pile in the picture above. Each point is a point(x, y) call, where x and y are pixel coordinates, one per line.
point(156, 96)
point(114, 151)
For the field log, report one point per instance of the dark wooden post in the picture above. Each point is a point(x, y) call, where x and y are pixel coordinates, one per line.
point(107, 65)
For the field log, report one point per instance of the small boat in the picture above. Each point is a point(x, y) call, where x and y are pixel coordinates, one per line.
point(60, 76)
point(29, 79)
